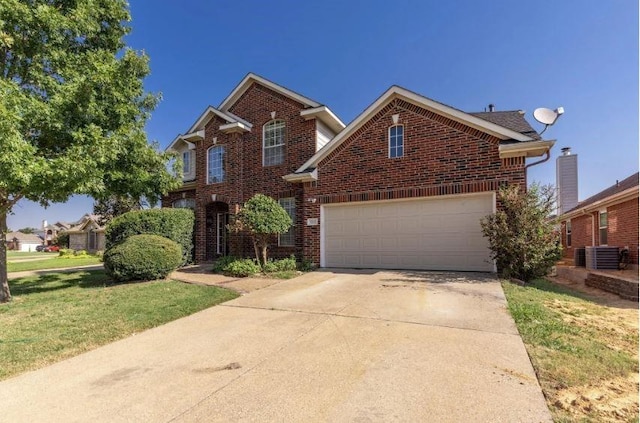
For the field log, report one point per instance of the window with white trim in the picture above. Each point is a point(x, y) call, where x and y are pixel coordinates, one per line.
point(603, 225)
point(215, 164)
point(273, 143)
point(186, 162)
point(184, 203)
point(288, 239)
point(568, 231)
point(396, 141)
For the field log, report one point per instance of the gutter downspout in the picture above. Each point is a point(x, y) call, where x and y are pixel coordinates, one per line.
point(535, 163)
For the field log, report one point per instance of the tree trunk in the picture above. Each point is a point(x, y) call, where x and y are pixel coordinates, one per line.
point(5, 294)
point(257, 250)
point(264, 254)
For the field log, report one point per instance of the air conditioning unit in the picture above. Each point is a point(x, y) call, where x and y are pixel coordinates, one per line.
point(601, 258)
point(579, 259)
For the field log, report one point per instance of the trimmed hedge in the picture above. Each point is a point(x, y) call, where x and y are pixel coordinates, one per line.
point(175, 224)
point(142, 258)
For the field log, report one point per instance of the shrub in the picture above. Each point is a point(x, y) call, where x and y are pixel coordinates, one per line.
point(175, 224)
point(82, 253)
point(222, 262)
point(66, 253)
point(233, 266)
point(242, 268)
point(306, 265)
point(282, 265)
point(522, 237)
point(142, 257)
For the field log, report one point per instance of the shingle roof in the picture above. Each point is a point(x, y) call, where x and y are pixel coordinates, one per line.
point(512, 119)
point(24, 238)
point(625, 184)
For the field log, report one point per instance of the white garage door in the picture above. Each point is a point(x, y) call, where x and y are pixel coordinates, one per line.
point(441, 233)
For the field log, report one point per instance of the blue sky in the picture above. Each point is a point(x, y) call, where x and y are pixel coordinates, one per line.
point(582, 55)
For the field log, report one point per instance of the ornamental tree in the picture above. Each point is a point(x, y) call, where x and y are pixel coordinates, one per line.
point(72, 108)
point(263, 218)
point(523, 239)
point(115, 205)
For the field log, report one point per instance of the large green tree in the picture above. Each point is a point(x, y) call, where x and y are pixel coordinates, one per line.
point(115, 205)
point(72, 108)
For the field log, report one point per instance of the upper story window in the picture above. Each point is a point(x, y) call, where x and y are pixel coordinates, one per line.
point(288, 239)
point(186, 161)
point(184, 203)
point(273, 143)
point(396, 141)
point(215, 164)
point(568, 229)
point(603, 225)
point(188, 165)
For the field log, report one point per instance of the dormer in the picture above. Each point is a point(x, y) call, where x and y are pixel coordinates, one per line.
point(327, 123)
point(185, 146)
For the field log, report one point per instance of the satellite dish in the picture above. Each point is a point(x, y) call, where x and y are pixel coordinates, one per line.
point(547, 117)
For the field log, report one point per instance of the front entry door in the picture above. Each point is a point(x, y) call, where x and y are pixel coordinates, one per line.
point(217, 239)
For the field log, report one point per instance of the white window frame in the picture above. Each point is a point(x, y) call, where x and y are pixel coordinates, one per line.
point(275, 130)
point(396, 137)
point(289, 237)
point(568, 232)
point(222, 172)
point(605, 227)
point(186, 162)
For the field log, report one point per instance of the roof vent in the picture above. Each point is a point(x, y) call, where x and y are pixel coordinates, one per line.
point(492, 107)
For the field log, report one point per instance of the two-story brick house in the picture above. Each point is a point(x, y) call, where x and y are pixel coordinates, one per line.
point(402, 186)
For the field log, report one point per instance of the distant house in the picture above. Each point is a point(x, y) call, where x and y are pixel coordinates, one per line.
point(609, 217)
point(51, 231)
point(87, 234)
point(19, 241)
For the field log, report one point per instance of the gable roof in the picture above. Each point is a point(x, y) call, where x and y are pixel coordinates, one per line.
point(24, 238)
point(84, 222)
point(313, 109)
point(196, 131)
point(250, 78)
point(620, 188)
point(512, 119)
point(485, 125)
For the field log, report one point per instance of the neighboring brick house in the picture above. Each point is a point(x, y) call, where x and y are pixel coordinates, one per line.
point(87, 234)
point(609, 217)
point(402, 186)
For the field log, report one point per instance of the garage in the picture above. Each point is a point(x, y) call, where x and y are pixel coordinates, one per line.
point(435, 233)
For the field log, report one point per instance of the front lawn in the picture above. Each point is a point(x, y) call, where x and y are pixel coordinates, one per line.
point(51, 263)
point(584, 353)
point(59, 315)
point(13, 255)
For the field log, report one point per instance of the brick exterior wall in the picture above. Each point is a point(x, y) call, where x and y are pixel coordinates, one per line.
point(441, 157)
point(622, 229)
point(245, 175)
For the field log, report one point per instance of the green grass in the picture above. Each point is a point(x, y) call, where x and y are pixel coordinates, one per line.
point(53, 263)
point(23, 254)
point(573, 342)
point(56, 316)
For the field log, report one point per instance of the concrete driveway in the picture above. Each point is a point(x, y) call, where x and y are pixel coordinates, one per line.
point(324, 347)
